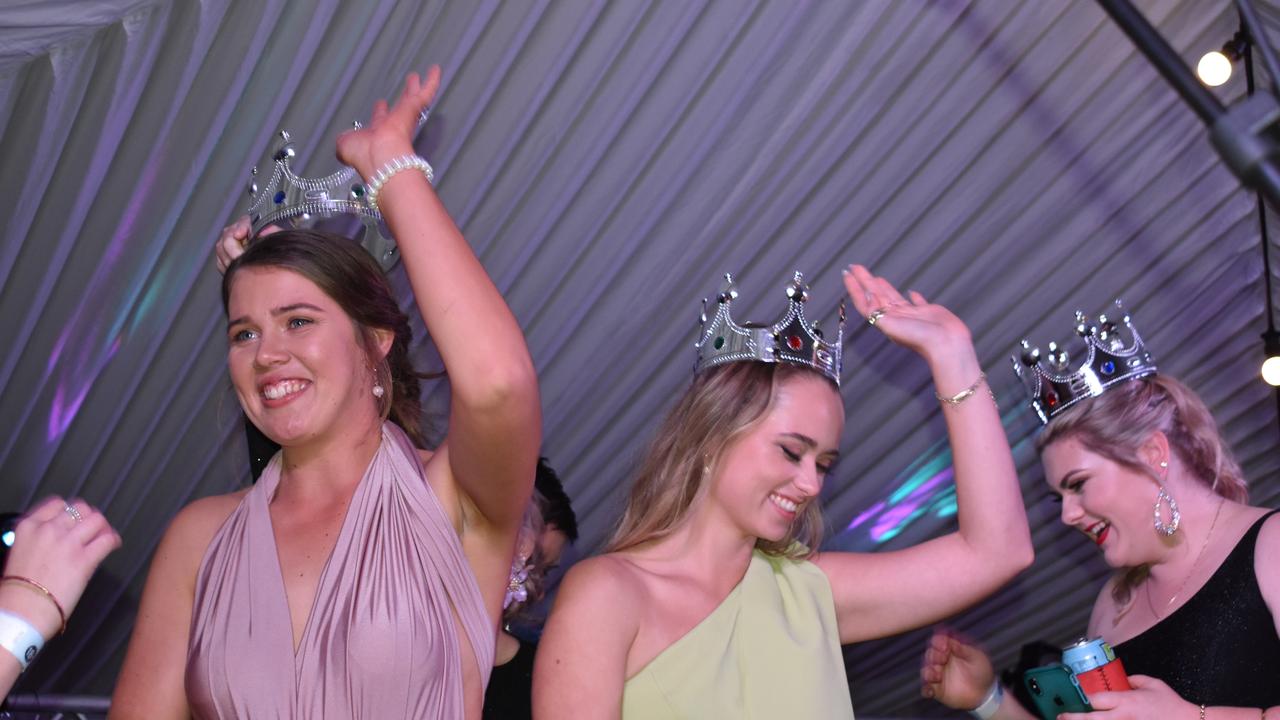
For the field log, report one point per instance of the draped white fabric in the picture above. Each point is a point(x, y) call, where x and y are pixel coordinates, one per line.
point(608, 162)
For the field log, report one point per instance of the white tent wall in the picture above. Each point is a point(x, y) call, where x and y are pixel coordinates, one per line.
point(609, 161)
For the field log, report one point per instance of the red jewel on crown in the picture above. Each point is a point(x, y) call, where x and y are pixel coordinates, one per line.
point(790, 339)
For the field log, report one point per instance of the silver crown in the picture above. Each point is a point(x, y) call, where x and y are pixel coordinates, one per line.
point(290, 198)
point(791, 339)
point(1114, 353)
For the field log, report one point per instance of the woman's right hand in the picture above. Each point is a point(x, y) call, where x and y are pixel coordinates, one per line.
point(58, 551)
point(929, 329)
point(955, 673)
point(391, 129)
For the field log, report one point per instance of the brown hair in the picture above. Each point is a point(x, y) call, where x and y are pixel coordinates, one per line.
point(1117, 423)
point(718, 407)
point(347, 274)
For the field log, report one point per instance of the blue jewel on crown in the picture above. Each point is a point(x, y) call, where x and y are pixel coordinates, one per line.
point(792, 339)
point(299, 201)
point(1114, 353)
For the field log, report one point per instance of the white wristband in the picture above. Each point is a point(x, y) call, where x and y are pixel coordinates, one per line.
point(386, 172)
point(20, 638)
point(987, 709)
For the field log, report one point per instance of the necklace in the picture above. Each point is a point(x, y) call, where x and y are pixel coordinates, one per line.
point(1160, 613)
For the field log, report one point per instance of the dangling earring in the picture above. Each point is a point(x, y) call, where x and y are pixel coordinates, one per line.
point(1175, 517)
point(378, 390)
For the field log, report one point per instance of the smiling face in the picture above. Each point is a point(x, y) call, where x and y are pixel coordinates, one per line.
point(1109, 502)
point(768, 473)
point(295, 358)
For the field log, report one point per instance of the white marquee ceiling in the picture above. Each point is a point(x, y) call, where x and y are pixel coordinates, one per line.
point(608, 161)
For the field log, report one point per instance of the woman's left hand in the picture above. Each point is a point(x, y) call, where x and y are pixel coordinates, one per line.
point(1149, 698)
point(931, 330)
point(390, 131)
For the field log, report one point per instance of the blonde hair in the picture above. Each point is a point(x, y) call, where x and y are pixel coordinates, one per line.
point(1117, 423)
point(718, 407)
point(536, 564)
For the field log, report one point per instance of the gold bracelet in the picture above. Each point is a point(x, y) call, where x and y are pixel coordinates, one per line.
point(47, 593)
point(966, 393)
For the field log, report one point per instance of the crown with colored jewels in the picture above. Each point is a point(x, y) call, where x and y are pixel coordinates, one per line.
point(290, 198)
point(1114, 353)
point(791, 339)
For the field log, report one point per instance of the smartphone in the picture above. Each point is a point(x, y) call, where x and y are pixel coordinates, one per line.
point(1054, 689)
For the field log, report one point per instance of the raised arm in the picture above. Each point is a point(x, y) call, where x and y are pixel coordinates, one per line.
point(879, 594)
point(580, 668)
point(494, 416)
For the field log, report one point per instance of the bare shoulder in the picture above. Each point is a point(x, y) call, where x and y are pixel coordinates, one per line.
point(1264, 565)
point(193, 528)
point(609, 581)
point(207, 514)
point(1269, 535)
point(581, 665)
point(151, 680)
point(596, 616)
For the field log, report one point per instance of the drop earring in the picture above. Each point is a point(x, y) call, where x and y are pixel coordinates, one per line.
point(1175, 517)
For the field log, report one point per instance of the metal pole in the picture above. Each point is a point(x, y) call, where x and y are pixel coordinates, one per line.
point(1165, 59)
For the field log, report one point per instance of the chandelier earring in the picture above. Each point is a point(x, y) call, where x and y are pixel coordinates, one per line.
point(1175, 517)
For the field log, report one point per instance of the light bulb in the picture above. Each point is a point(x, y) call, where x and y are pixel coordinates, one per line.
point(1214, 68)
point(1271, 370)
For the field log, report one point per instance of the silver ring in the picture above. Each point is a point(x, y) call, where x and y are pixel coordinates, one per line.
point(74, 513)
point(875, 316)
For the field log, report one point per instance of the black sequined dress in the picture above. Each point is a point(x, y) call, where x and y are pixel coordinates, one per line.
point(1221, 646)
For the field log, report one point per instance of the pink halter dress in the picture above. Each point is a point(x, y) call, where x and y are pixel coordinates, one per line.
point(381, 640)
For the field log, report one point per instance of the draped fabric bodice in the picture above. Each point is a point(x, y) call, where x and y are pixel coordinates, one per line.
point(381, 640)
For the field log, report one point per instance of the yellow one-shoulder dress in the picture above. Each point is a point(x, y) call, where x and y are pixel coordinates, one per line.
point(770, 650)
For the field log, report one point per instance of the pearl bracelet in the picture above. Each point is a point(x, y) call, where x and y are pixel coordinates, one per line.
point(987, 708)
point(20, 638)
point(396, 165)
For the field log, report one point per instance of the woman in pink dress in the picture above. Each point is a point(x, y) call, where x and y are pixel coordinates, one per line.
point(360, 577)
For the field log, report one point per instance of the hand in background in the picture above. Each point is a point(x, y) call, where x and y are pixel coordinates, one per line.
point(955, 673)
point(58, 551)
